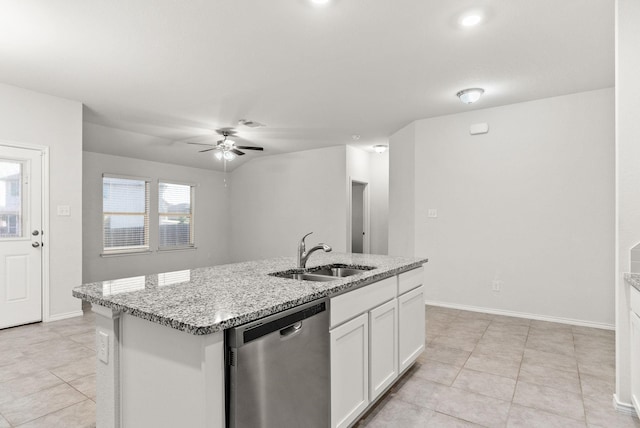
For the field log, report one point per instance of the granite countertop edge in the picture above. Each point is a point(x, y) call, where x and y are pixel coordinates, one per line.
point(633, 279)
point(327, 289)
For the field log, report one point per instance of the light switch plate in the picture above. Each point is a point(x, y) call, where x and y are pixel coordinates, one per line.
point(64, 210)
point(103, 346)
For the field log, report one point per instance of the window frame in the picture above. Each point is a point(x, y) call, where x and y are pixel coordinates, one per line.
point(128, 250)
point(192, 235)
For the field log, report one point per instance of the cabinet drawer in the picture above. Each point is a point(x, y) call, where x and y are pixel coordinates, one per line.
point(635, 300)
point(356, 302)
point(410, 280)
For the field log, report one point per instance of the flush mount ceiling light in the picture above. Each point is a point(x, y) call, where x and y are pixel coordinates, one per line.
point(320, 2)
point(380, 148)
point(470, 95)
point(471, 20)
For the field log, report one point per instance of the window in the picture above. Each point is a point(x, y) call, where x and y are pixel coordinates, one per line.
point(125, 208)
point(175, 212)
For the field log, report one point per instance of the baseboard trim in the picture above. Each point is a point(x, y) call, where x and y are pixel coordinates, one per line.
point(64, 316)
point(626, 408)
point(523, 315)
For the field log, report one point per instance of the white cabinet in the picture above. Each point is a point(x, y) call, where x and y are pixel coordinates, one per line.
point(383, 347)
point(635, 349)
point(375, 335)
point(411, 326)
point(349, 370)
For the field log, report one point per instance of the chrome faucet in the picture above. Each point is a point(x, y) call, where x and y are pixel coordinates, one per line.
point(303, 254)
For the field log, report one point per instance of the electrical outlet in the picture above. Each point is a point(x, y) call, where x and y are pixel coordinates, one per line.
point(432, 213)
point(102, 340)
point(496, 285)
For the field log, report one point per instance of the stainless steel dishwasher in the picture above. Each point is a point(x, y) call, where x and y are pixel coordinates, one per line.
point(278, 370)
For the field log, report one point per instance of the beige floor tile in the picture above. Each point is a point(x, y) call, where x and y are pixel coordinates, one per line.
point(81, 415)
point(593, 332)
point(539, 343)
point(464, 342)
point(72, 329)
point(597, 386)
point(4, 423)
point(602, 370)
point(498, 348)
point(473, 407)
point(55, 359)
point(600, 413)
point(485, 384)
point(400, 414)
point(469, 315)
point(553, 378)
point(26, 385)
point(86, 385)
point(86, 339)
point(443, 354)
point(23, 367)
point(551, 360)
point(552, 400)
point(526, 417)
point(512, 321)
point(419, 391)
point(440, 420)
point(437, 372)
point(505, 367)
point(76, 369)
point(550, 326)
point(39, 404)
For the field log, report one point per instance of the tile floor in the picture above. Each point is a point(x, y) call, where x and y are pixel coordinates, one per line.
point(47, 374)
point(482, 370)
point(479, 370)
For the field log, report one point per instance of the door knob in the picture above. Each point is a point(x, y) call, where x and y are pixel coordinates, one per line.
point(35, 233)
point(35, 244)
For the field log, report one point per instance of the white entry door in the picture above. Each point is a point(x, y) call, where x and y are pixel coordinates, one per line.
point(20, 236)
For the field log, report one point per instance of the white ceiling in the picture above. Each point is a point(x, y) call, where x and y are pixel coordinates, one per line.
point(173, 69)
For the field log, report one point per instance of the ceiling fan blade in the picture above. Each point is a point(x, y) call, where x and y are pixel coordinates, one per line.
point(249, 148)
point(206, 150)
point(200, 144)
point(238, 152)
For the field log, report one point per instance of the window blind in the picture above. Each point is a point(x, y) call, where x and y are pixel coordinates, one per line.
point(125, 206)
point(175, 203)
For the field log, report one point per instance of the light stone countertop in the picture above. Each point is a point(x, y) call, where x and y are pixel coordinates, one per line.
point(206, 300)
point(633, 279)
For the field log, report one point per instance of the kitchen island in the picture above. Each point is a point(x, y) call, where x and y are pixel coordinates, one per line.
point(160, 342)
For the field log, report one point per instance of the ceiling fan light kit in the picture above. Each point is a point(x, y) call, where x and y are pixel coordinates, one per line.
point(226, 148)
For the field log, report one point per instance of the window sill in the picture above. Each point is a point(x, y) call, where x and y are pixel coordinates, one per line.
point(172, 249)
point(125, 253)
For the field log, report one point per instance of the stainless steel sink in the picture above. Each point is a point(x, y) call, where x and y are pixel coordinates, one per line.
point(306, 277)
point(338, 271)
point(324, 273)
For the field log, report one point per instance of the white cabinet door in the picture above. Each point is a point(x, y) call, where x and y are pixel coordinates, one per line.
point(635, 361)
point(349, 370)
point(411, 326)
point(383, 347)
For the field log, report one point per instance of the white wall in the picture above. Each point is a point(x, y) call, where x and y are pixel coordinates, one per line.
point(529, 204)
point(401, 192)
point(379, 202)
point(34, 118)
point(628, 175)
point(275, 200)
point(211, 218)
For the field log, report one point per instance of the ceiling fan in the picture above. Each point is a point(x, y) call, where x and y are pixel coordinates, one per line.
point(226, 148)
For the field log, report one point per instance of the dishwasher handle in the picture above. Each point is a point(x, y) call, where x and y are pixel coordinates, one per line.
point(291, 330)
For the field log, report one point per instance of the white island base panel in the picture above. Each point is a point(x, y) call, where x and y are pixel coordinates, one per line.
point(156, 376)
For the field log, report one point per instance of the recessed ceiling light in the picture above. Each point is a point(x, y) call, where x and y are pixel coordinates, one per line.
point(471, 20)
point(355, 137)
point(470, 95)
point(320, 2)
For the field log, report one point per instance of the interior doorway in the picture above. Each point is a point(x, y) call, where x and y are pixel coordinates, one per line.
point(359, 208)
point(21, 191)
